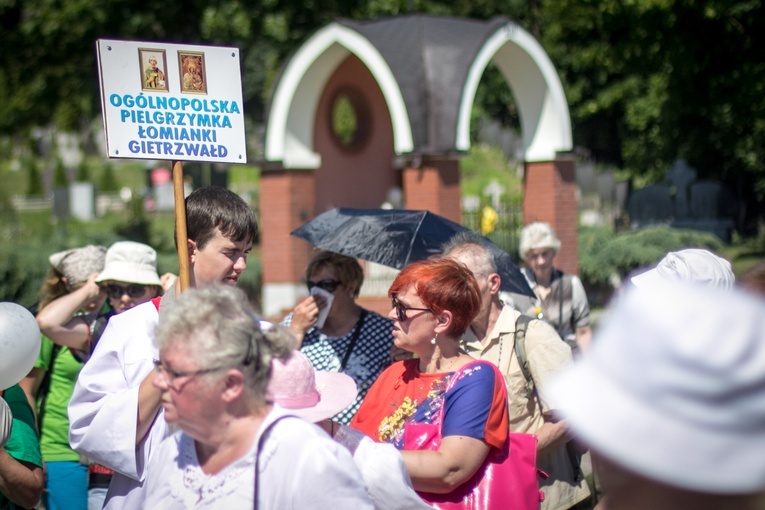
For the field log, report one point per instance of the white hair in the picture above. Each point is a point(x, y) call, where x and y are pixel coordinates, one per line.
point(217, 327)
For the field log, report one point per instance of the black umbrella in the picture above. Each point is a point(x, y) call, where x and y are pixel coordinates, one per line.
point(396, 237)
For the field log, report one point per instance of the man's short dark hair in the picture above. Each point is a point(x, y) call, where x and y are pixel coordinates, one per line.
point(214, 208)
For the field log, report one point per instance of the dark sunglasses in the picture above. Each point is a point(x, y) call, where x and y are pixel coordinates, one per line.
point(401, 309)
point(328, 285)
point(133, 290)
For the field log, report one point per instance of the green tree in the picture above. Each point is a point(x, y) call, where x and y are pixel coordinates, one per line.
point(83, 172)
point(108, 179)
point(34, 184)
point(60, 179)
point(650, 81)
point(647, 80)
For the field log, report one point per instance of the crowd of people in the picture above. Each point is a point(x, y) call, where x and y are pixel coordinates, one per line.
point(186, 398)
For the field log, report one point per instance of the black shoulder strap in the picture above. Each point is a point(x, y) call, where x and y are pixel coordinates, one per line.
point(521, 325)
point(262, 440)
point(354, 339)
point(42, 392)
point(566, 292)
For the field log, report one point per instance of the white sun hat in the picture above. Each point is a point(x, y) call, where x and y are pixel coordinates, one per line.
point(692, 265)
point(130, 262)
point(674, 388)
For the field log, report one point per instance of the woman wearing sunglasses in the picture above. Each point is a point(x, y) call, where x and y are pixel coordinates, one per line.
point(351, 339)
point(442, 392)
point(129, 278)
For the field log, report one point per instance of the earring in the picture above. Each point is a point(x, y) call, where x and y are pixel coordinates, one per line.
point(434, 339)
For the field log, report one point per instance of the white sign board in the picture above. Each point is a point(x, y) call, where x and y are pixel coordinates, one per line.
point(171, 101)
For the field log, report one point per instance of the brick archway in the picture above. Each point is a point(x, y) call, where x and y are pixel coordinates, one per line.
point(418, 75)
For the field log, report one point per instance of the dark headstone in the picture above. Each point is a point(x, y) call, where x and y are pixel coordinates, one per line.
point(681, 175)
point(650, 205)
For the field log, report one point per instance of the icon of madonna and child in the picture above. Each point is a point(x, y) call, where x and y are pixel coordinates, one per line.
point(191, 66)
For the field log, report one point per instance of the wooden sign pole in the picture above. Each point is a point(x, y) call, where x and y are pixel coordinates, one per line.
point(180, 226)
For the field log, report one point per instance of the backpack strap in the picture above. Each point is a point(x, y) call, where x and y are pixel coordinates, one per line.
point(521, 325)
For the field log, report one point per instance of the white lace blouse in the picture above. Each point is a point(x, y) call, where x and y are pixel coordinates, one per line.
point(300, 467)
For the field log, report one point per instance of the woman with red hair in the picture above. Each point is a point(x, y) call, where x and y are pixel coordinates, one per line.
point(442, 390)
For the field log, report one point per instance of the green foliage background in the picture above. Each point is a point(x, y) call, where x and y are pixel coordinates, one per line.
point(647, 81)
point(605, 255)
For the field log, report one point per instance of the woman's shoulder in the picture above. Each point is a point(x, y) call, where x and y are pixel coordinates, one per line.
point(287, 432)
point(177, 450)
point(477, 372)
point(398, 369)
point(479, 364)
point(374, 318)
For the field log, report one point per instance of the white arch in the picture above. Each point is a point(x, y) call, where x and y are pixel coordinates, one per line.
point(544, 115)
point(289, 136)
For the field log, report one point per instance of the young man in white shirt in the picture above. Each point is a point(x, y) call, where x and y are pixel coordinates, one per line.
point(114, 413)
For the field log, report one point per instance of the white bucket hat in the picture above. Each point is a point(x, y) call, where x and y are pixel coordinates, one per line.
point(130, 262)
point(674, 388)
point(692, 265)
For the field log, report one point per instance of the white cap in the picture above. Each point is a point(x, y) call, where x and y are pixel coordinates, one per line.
point(674, 388)
point(692, 265)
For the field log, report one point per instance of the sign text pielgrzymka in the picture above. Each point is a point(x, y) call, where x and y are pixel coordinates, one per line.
point(171, 101)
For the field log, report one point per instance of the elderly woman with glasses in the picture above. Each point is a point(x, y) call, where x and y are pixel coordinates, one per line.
point(336, 333)
point(236, 449)
point(434, 302)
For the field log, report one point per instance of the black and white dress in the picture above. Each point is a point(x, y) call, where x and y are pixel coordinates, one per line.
point(365, 358)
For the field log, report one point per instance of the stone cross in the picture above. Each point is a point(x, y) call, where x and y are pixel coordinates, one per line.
point(681, 175)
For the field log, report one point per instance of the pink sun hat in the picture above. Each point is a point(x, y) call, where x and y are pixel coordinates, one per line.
point(313, 395)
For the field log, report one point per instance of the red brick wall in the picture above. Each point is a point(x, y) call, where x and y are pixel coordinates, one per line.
point(434, 187)
point(290, 198)
point(550, 196)
point(380, 305)
point(287, 201)
point(357, 178)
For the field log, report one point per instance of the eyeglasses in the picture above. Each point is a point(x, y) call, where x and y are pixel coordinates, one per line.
point(328, 285)
point(133, 290)
point(401, 309)
point(172, 375)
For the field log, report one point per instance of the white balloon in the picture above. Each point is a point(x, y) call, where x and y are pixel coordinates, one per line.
point(19, 343)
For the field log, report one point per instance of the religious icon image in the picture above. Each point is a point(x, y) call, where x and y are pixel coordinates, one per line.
point(193, 74)
point(153, 66)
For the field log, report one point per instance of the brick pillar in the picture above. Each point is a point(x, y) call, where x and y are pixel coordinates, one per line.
point(550, 196)
point(434, 186)
point(287, 201)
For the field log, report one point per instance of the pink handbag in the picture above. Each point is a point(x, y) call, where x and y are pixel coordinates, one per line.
point(508, 478)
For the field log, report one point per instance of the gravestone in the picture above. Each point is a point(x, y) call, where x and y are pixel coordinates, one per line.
point(651, 205)
point(681, 175)
point(697, 205)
